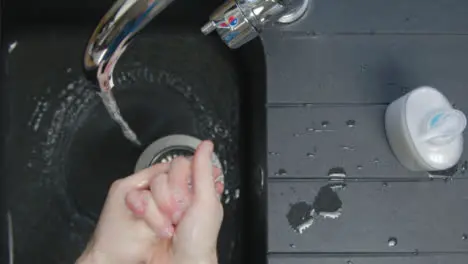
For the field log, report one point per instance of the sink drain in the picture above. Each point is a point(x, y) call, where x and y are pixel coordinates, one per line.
point(172, 153)
point(168, 148)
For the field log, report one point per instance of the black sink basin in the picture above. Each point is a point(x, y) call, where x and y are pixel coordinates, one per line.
point(63, 151)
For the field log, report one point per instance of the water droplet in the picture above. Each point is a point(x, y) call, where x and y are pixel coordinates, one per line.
point(296, 135)
point(392, 241)
point(272, 153)
point(325, 124)
point(464, 167)
point(218, 129)
point(465, 237)
point(359, 167)
point(349, 262)
point(416, 252)
point(310, 155)
point(385, 184)
point(292, 245)
point(282, 172)
point(351, 123)
point(363, 68)
point(236, 194)
point(348, 148)
point(12, 46)
point(310, 129)
point(376, 161)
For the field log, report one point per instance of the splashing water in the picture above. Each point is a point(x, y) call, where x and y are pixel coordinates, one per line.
point(111, 106)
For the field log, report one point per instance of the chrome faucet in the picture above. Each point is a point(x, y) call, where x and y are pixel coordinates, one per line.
point(112, 36)
point(236, 21)
point(239, 21)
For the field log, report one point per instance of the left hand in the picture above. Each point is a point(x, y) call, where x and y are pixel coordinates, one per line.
point(122, 236)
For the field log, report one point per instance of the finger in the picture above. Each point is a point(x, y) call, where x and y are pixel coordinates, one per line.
point(203, 171)
point(216, 172)
point(179, 177)
point(142, 178)
point(135, 202)
point(162, 195)
point(219, 186)
point(142, 205)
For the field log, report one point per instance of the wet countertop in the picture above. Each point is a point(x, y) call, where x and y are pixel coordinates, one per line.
point(330, 78)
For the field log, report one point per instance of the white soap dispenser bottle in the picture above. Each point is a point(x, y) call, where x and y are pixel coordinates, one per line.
point(424, 131)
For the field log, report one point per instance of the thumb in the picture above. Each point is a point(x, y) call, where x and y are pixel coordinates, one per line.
point(204, 186)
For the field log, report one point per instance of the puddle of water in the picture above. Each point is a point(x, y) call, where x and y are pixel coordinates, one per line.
point(327, 201)
point(113, 109)
point(327, 204)
point(300, 216)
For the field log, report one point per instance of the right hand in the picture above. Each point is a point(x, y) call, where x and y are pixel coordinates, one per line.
point(196, 234)
point(196, 213)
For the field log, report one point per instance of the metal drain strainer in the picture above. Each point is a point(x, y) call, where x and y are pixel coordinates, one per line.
point(168, 148)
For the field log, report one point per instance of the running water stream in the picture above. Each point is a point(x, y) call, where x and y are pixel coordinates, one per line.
point(111, 106)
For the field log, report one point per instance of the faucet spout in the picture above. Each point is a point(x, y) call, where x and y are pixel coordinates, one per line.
point(112, 36)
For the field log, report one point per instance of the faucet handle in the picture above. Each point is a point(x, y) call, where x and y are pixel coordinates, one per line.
point(234, 28)
point(239, 21)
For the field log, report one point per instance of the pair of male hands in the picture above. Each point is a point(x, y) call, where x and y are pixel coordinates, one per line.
point(168, 213)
